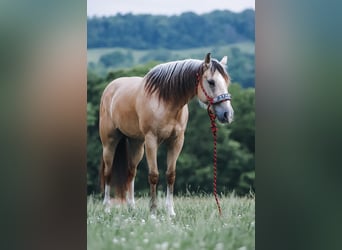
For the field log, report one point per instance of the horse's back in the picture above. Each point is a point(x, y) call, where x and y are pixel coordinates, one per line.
point(127, 83)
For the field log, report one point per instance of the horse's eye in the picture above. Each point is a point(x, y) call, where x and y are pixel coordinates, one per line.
point(211, 82)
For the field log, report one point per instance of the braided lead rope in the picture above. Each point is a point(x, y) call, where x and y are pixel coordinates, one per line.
point(214, 130)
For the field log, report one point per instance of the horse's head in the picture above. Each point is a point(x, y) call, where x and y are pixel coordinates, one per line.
point(213, 88)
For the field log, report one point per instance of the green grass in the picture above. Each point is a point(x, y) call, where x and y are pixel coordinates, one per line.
point(197, 225)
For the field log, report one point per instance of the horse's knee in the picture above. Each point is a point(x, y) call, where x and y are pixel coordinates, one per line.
point(170, 177)
point(132, 171)
point(153, 178)
point(108, 161)
point(107, 169)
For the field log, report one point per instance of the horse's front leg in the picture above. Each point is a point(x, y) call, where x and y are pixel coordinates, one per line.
point(174, 149)
point(151, 147)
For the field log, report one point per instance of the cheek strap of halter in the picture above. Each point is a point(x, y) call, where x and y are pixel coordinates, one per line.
point(211, 114)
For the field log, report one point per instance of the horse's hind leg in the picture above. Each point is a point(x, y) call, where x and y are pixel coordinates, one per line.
point(108, 155)
point(136, 152)
point(174, 149)
point(109, 147)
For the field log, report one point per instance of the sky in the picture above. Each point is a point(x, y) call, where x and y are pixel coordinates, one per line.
point(164, 7)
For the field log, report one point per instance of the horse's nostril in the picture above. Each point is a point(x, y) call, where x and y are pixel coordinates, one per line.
point(225, 115)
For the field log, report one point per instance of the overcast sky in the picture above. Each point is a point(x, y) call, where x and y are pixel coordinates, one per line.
point(165, 7)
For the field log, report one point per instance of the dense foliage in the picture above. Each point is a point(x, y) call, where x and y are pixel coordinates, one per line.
point(194, 166)
point(187, 30)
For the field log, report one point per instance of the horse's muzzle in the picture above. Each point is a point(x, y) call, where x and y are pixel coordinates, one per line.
point(227, 117)
point(224, 115)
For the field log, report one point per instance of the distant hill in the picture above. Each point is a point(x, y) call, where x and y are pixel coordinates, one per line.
point(184, 31)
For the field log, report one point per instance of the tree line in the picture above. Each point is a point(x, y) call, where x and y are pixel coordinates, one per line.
point(240, 63)
point(235, 148)
point(187, 30)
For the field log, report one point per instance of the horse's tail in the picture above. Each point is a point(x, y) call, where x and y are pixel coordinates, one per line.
point(120, 169)
point(102, 177)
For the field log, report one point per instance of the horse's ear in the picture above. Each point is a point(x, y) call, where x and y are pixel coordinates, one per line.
point(224, 60)
point(207, 59)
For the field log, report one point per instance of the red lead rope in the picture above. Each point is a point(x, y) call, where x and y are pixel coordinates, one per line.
point(214, 129)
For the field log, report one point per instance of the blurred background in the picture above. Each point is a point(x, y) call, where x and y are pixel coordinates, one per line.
point(126, 39)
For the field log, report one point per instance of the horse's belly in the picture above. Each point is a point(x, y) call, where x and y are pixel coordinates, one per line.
point(128, 124)
point(131, 130)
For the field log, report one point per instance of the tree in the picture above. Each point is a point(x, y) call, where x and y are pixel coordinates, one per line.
point(187, 30)
point(117, 58)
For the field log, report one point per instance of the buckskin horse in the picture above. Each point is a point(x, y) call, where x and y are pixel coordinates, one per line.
point(138, 113)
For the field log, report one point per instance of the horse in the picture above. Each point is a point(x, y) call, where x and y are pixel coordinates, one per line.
point(137, 114)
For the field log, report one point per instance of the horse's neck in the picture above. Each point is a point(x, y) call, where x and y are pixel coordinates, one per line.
point(176, 106)
point(161, 107)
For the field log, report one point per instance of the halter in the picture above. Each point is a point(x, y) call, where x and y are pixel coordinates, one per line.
point(212, 116)
point(211, 100)
point(218, 99)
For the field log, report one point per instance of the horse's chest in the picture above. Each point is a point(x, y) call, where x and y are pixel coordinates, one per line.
point(163, 121)
point(170, 130)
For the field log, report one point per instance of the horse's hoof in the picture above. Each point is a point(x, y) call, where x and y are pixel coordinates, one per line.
point(131, 206)
point(171, 214)
point(153, 214)
point(107, 204)
point(107, 209)
point(169, 209)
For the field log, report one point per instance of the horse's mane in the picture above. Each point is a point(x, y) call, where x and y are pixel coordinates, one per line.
point(176, 81)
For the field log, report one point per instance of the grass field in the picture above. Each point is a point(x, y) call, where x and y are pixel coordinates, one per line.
point(197, 225)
